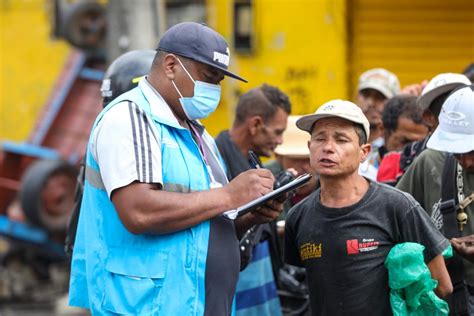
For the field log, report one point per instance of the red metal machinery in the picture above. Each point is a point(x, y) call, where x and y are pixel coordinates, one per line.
point(61, 132)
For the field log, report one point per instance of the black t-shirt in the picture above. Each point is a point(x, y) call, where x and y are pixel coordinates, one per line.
point(235, 161)
point(344, 249)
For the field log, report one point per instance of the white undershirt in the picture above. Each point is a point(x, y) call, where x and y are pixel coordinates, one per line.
point(126, 147)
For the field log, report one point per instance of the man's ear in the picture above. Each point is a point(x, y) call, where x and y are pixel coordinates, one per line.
point(254, 124)
point(170, 64)
point(364, 150)
point(430, 120)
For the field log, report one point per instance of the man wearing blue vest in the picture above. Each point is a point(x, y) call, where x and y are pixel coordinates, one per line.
point(155, 233)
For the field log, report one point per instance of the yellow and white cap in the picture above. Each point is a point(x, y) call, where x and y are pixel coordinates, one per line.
point(335, 108)
point(380, 79)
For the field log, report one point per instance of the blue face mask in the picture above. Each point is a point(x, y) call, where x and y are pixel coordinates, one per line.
point(204, 101)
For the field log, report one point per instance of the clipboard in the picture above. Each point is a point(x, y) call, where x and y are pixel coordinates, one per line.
point(293, 185)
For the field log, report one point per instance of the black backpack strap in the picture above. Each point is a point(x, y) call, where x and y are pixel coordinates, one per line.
point(457, 300)
point(74, 219)
point(449, 198)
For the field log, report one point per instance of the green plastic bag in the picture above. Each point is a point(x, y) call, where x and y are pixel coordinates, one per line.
point(410, 282)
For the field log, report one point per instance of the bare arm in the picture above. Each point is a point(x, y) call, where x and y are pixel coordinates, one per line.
point(143, 208)
point(440, 273)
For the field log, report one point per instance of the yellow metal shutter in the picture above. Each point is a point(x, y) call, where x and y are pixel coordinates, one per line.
point(414, 39)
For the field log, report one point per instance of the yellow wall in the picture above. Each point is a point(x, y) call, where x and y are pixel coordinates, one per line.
point(414, 39)
point(30, 62)
point(300, 48)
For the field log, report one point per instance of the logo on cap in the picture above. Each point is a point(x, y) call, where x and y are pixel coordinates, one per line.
point(454, 118)
point(222, 58)
point(440, 82)
point(328, 107)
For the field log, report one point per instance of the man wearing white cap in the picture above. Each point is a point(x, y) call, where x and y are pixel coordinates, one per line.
point(430, 102)
point(375, 86)
point(440, 182)
point(343, 232)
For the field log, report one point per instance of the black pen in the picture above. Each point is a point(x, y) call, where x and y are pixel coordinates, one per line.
point(254, 160)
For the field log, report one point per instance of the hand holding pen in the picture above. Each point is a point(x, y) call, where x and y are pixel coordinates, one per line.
point(263, 214)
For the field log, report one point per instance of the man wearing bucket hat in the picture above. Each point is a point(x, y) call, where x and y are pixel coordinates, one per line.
point(430, 102)
point(343, 231)
point(442, 180)
point(152, 235)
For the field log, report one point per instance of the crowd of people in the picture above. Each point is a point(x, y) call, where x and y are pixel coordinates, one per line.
point(155, 231)
point(158, 232)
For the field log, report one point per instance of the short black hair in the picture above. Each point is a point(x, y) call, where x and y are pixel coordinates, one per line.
point(160, 54)
point(437, 103)
point(263, 101)
point(400, 106)
point(469, 72)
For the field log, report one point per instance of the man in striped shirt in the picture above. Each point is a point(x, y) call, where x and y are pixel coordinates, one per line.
point(153, 235)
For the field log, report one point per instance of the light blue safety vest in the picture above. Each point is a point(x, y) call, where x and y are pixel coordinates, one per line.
point(115, 271)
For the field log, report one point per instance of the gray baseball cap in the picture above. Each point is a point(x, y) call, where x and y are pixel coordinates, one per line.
point(200, 43)
point(439, 85)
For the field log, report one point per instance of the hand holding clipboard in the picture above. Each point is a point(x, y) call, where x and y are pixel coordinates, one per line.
point(275, 194)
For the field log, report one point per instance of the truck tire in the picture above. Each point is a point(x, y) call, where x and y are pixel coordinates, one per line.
point(47, 194)
point(85, 25)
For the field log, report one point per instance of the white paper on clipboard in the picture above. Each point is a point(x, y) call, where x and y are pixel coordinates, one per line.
point(252, 205)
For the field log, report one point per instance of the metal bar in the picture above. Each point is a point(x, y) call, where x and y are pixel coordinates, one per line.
point(58, 100)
